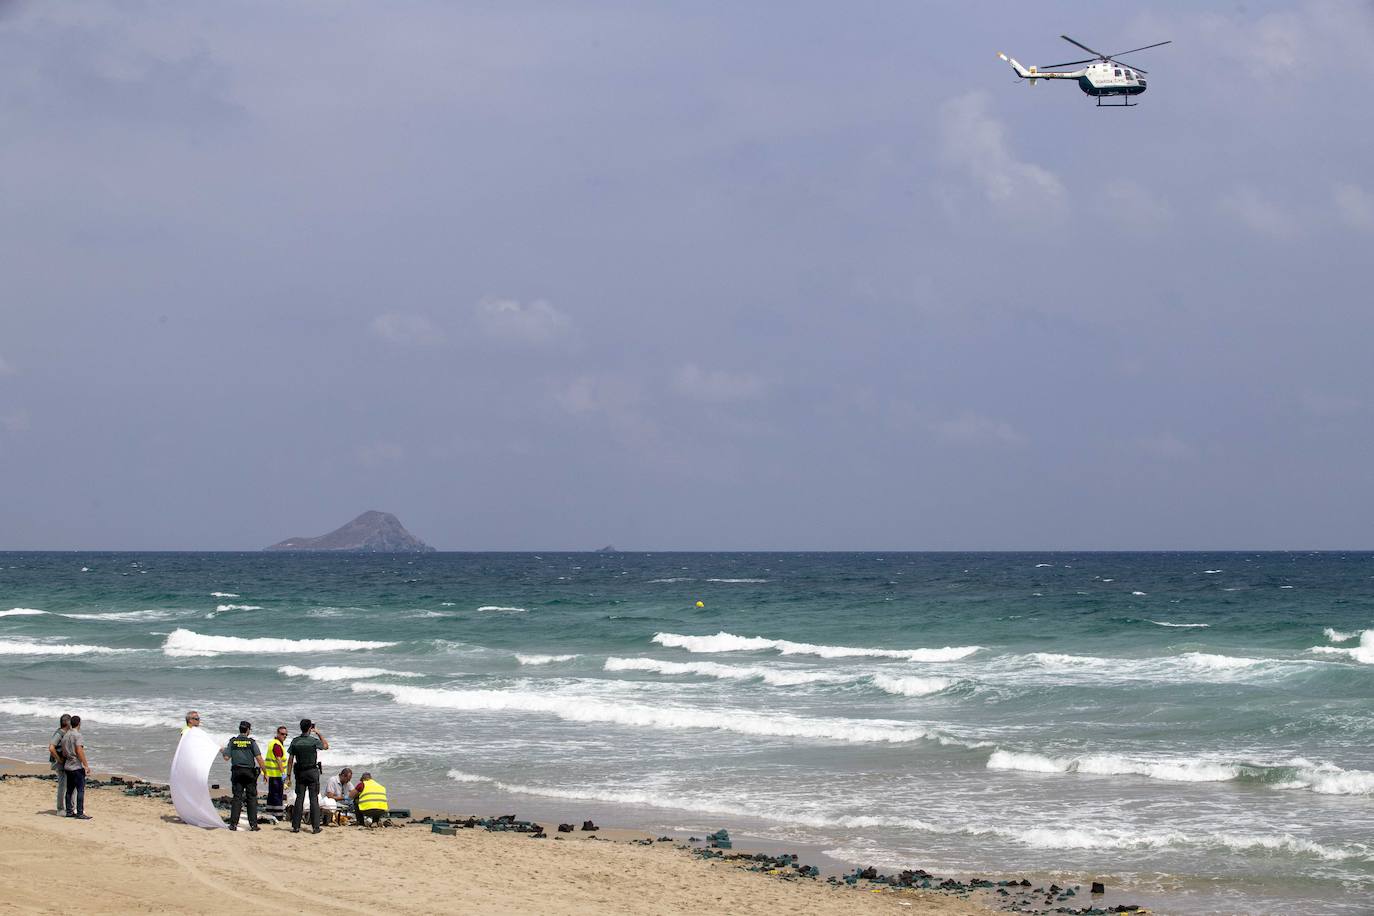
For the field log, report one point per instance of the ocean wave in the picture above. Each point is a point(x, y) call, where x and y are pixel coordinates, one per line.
point(28, 647)
point(543, 659)
point(594, 709)
point(221, 608)
point(224, 595)
point(1170, 666)
point(497, 609)
point(90, 712)
point(1298, 773)
point(1166, 623)
point(740, 581)
point(342, 673)
point(460, 776)
point(773, 676)
point(911, 686)
point(126, 616)
point(1210, 572)
point(671, 579)
point(22, 612)
point(1337, 635)
point(1091, 838)
point(1363, 653)
point(184, 643)
point(729, 642)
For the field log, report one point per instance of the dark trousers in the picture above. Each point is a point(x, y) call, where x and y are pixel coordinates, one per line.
point(245, 782)
point(371, 814)
point(307, 781)
point(276, 793)
point(76, 782)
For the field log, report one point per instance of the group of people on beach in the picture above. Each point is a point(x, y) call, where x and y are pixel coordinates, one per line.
point(365, 801)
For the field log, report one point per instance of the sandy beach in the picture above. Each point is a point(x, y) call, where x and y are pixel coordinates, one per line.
point(136, 856)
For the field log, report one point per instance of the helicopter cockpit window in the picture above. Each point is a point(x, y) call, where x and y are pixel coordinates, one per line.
point(1118, 73)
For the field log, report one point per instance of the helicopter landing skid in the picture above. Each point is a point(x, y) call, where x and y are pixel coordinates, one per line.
point(1124, 103)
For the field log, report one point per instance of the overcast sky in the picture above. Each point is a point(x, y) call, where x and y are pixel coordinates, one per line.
point(684, 275)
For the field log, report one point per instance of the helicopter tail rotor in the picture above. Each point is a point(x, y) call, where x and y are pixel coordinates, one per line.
point(1023, 72)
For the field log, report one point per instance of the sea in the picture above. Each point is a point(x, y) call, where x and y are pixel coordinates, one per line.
point(1193, 729)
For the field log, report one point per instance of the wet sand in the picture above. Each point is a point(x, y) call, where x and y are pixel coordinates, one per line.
point(136, 855)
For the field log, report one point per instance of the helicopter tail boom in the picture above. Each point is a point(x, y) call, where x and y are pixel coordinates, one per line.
point(1034, 73)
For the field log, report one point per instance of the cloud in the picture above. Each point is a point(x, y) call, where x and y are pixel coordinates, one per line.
point(974, 428)
point(1355, 205)
point(717, 385)
point(1258, 214)
point(16, 421)
point(1321, 404)
point(1166, 446)
point(414, 330)
point(976, 142)
point(598, 394)
point(1129, 202)
point(379, 454)
point(7, 368)
point(533, 323)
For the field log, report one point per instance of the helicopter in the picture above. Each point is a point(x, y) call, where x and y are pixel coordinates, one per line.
point(1105, 77)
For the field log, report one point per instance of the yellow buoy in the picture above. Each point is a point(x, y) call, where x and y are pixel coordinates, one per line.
point(701, 604)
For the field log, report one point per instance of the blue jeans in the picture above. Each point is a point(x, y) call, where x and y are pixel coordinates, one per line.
point(76, 782)
point(61, 788)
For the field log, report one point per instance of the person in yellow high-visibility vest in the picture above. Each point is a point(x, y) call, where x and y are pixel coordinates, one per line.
point(274, 768)
point(371, 801)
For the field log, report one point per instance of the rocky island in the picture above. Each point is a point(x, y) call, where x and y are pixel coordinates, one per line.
point(371, 532)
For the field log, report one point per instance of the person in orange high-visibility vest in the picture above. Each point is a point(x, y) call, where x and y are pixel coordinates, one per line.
point(371, 801)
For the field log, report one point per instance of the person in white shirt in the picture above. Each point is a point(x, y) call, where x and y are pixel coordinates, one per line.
point(337, 791)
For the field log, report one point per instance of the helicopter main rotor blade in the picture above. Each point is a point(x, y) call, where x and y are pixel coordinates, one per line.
point(1080, 44)
point(1146, 48)
point(1069, 64)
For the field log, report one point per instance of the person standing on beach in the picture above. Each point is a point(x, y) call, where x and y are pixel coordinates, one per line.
point(303, 763)
point(274, 766)
point(76, 765)
point(192, 721)
point(245, 762)
point(55, 759)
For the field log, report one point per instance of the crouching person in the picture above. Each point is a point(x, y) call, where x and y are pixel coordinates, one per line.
point(371, 800)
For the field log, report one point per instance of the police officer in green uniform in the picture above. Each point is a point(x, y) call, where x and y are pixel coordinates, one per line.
point(303, 763)
point(245, 763)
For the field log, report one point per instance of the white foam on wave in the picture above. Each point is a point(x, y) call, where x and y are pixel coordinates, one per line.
point(729, 642)
point(1111, 765)
point(1328, 779)
point(1042, 565)
point(498, 609)
point(224, 595)
point(460, 776)
point(1138, 594)
point(22, 612)
point(1210, 572)
point(543, 659)
point(221, 608)
point(90, 713)
point(1209, 661)
point(184, 643)
point(572, 708)
point(1091, 838)
point(342, 673)
point(125, 616)
point(1166, 623)
point(1337, 635)
point(1363, 653)
point(774, 676)
point(671, 579)
point(28, 647)
point(740, 581)
point(911, 686)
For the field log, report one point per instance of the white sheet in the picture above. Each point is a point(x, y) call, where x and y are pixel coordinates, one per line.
point(190, 779)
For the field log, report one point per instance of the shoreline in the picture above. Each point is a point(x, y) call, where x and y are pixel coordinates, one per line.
point(136, 855)
point(828, 872)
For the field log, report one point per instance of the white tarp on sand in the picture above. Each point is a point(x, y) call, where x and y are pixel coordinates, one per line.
point(190, 779)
